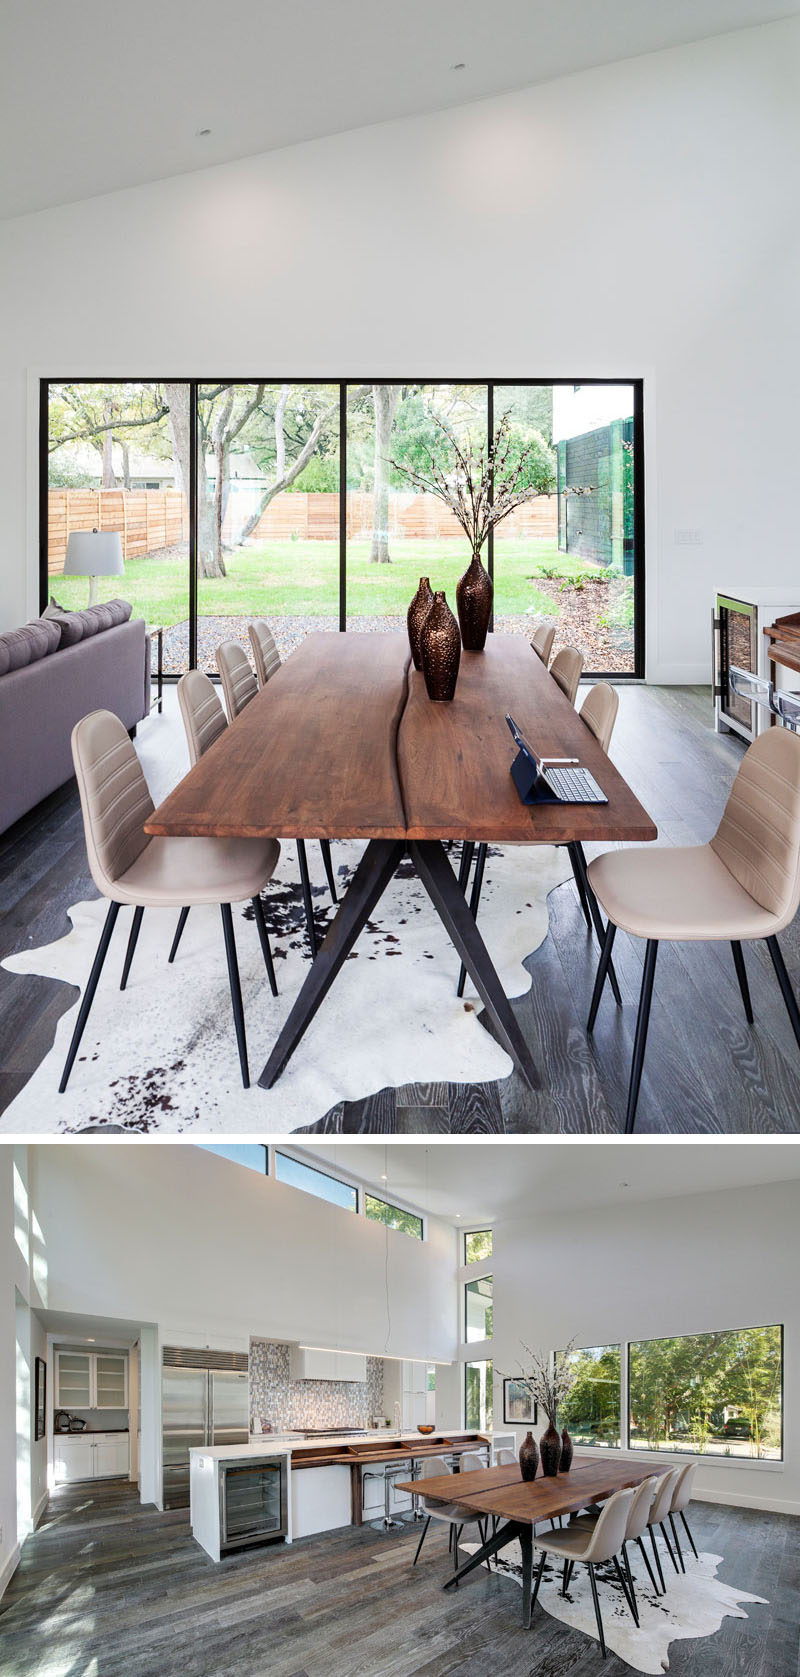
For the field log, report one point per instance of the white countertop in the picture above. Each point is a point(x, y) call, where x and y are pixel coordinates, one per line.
point(240, 1452)
point(375, 1435)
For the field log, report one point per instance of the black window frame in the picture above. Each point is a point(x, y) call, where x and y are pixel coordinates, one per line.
point(315, 1170)
point(474, 1362)
point(472, 1284)
point(193, 384)
point(470, 1234)
point(676, 1450)
point(391, 1205)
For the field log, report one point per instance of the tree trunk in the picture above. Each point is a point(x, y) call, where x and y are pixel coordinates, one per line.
point(220, 498)
point(385, 398)
point(208, 555)
point(108, 458)
point(126, 465)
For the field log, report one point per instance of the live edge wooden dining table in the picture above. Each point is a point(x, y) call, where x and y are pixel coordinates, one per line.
point(343, 743)
point(503, 1493)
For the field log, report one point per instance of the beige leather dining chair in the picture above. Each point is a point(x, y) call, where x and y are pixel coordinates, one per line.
point(681, 1498)
point(505, 1457)
point(240, 687)
point(599, 712)
point(662, 1502)
point(266, 656)
point(203, 716)
point(566, 670)
point(238, 682)
point(435, 1467)
point(542, 642)
point(741, 886)
point(638, 1521)
point(128, 867)
point(591, 1546)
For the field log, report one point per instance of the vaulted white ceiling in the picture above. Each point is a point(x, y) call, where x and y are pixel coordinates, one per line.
point(488, 1180)
point(94, 96)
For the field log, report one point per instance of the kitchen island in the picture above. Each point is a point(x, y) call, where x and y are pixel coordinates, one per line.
point(338, 1480)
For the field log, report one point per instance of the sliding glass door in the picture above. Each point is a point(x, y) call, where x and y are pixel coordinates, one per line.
point(303, 503)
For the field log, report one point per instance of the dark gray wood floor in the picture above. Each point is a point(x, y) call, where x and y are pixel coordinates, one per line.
point(706, 1071)
point(106, 1588)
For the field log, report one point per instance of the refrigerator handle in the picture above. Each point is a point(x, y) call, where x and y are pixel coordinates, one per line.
point(207, 1421)
point(718, 689)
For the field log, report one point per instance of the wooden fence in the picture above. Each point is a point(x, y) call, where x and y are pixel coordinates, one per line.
point(151, 519)
point(147, 519)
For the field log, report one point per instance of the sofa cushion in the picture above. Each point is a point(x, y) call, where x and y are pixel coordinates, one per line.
point(70, 625)
point(24, 646)
point(121, 610)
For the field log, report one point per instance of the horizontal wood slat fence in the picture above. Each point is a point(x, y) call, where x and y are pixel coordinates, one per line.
point(152, 519)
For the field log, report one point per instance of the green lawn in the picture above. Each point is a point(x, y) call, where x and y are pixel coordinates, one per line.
point(301, 579)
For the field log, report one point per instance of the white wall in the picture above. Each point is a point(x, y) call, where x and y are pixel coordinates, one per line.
point(709, 1261)
point(23, 1461)
point(211, 1252)
point(637, 220)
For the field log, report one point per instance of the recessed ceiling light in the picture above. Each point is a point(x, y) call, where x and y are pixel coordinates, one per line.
point(90, 1342)
point(459, 66)
point(384, 1178)
point(458, 1213)
point(624, 1184)
point(202, 133)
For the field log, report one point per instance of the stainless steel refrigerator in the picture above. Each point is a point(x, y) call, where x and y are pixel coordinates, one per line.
point(204, 1400)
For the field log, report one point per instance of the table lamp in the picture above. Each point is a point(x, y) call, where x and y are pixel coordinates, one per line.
point(94, 553)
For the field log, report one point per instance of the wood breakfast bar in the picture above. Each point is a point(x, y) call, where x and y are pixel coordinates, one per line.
point(343, 742)
point(522, 1503)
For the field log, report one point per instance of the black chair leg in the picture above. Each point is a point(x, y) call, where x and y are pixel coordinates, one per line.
point(631, 1588)
point(88, 996)
point(236, 991)
point(623, 1583)
point(657, 1559)
point(646, 1560)
point(688, 1534)
point(596, 1600)
point(263, 935)
point(602, 971)
point(594, 909)
point(132, 942)
point(422, 1540)
point(467, 853)
point(576, 872)
point(564, 1576)
point(786, 988)
point(640, 1040)
point(741, 974)
point(182, 919)
point(538, 1579)
point(326, 857)
point(677, 1541)
point(456, 1535)
point(305, 884)
point(665, 1535)
point(477, 886)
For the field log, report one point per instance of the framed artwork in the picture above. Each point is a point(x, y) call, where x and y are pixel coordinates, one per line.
point(40, 1399)
point(519, 1408)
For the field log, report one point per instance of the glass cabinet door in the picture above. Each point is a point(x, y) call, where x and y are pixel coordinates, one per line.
point(74, 1382)
point(111, 1382)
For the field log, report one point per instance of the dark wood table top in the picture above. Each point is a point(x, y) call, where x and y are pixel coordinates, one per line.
point(344, 743)
point(455, 758)
point(526, 1502)
point(313, 754)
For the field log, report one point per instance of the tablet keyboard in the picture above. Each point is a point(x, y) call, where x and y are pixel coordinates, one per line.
point(575, 786)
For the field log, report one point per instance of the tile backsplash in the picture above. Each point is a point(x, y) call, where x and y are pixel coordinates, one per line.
point(292, 1405)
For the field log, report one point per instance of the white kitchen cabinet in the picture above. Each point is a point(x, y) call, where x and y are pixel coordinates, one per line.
point(326, 1365)
point(415, 1391)
point(98, 1455)
point(91, 1380)
point(320, 1499)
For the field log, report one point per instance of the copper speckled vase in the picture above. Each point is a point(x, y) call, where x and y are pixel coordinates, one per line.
point(440, 644)
point(474, 595)
point(567, 1452)
point(528, 1457)
point(550, 1450)
point(417, 613)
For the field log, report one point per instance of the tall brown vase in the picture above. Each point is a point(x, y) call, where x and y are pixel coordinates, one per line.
point(440, 645)
point(417, 613)
point(567, 1452)
point(528, 1457)
point(550, 1451)
point(474, 594)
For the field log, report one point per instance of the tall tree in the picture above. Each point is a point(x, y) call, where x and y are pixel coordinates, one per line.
point(385, 398)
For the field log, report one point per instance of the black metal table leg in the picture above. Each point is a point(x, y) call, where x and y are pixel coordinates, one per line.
point(576, 870)
point(377, 866)
point(474, 901)
point(507, 1533)
point(308, 905)
point(437, 876)
point(526, 1545)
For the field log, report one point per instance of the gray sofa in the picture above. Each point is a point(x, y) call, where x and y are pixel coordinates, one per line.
point(41, 702)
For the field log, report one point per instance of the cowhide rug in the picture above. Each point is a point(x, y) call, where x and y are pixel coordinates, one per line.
point(162, 1056)
point(695, 1603)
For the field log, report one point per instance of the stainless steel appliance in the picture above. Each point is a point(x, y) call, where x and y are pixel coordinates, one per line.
point(204, 1400)
point(739, 621)
point(253, 1504)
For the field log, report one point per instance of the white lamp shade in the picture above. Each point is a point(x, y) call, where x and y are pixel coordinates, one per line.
point(94, 553)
